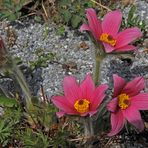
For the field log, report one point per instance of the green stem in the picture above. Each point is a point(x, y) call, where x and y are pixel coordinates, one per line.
point(97, 71)
point(99, 56)
point(88, 127)
point(21, 80)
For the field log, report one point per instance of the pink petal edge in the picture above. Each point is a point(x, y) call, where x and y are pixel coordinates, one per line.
point(87, 87)
point(84, 27)
point(140, 101)
point(119, 84)
point(134, 87)
point(63, 104)
point(111, 22)
point(98, 96)
point(60, 114)
point(94, 23)
point(133, 116)
point(125, 48)
point(127, 36)
point(108, 48)
point(71, 89)
point(117, 123)
point(113, 105)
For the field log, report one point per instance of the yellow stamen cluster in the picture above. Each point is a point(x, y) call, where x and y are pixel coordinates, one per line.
point(123, 101)
point(108, 39)
point(82, 105)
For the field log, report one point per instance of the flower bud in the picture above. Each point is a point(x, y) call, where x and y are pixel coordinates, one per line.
point(3, 53)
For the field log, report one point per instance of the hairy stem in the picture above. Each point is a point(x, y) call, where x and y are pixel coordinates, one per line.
point(97, 70)
point(88, 127)
point(21, 80)
point(99, 56)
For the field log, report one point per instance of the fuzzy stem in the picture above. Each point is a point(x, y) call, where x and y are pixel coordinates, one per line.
point(99, 56)
point(21, 80)
point(97, 70)
point(88, 127)
point(91, 127)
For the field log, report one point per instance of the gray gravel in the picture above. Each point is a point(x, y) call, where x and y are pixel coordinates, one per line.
point(31, 38)
point(142, 9)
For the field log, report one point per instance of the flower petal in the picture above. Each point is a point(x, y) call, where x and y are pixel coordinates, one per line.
point(108, 48)
point(140, 101)
point(91, 113)
point(127, 36)
point(125, 48)
point(117, 123)
point(113, 105)
point(119, 83)
point(112, 22)
point(84, 27)
point(94, 23)
point(134, 87)
point(63, 104)
point(98, 96)
point(87, 87)
point(71, 89)
point(133, 116)
point(60, 114)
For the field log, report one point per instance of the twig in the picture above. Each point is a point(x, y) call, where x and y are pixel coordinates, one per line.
point(101, 5)
point(30, 14)
point(44, 10)
point(43, 94)
point(79, 139)
point(108, 143)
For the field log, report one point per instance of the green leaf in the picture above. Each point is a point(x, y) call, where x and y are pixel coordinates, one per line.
point(7, 102)
point(5, 14)
point(66, 15)
point(12, 17)
point(64, 2)
point(60, 30)
point(18, 8)
point(131, 13)
point(38, 18)
point(88, 4)
point(75, 21)
point(143, 24)
point(18, 60)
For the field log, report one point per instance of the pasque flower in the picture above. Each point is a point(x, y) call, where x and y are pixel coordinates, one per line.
point(3, 53)
point(126, 103)
point(107, 31)
point(79, 99)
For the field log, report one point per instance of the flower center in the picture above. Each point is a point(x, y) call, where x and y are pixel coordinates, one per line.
point(82, 105)
point(108, 39)
point(123, 101)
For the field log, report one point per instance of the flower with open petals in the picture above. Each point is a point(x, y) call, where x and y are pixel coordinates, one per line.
point(108, 33)
point(126, 103)
point(79, 99)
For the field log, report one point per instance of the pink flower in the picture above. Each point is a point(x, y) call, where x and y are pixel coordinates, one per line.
point(126, 103)
point(108, 33)
point(83, 99)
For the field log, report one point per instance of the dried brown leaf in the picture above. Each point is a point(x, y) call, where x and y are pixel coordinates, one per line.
point(83, 45)
point(127, 2)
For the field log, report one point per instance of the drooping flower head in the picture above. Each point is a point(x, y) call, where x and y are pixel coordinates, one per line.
point(3, 53)
point(108, 33)
point(79, 99)
point(126, 103)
